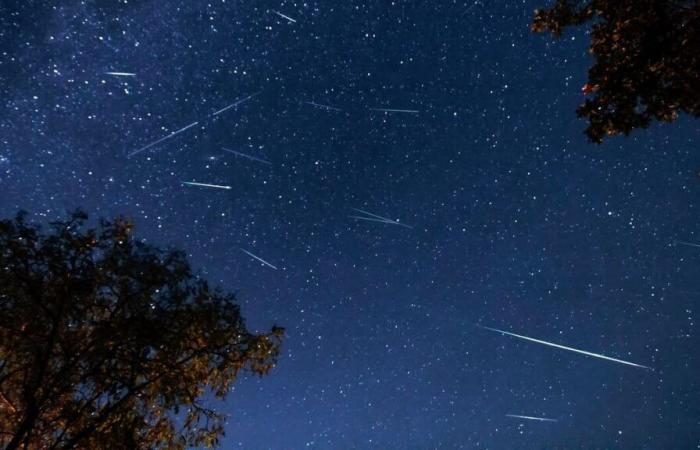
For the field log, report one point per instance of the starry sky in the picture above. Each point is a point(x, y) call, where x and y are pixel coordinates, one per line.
point(514, 221)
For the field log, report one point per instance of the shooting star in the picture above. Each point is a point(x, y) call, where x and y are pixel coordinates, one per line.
point(243, 155)
point(258, 258)
point(318, 105)
point(165, 138)
point(469, 8)
point(215, 186)
point(541, 419)
point(283, 16)
point(174, 133)
point(236, 103)
point(583, 352)
point(689, 244)
point(121, 74)
point(390, 110)
point(370, 217)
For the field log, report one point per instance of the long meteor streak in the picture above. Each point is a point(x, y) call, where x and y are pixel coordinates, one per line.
point(244, 155)
point(541, 419)
point(236, 103)
point(321, 106)
point(689, 244)
point(563, 347)
point(258, 258)
point(371, 217)
point(409, 111)
point(215, 186)
point(165, 138)
point(121, 74)
point(283, 16)
point(174, 133)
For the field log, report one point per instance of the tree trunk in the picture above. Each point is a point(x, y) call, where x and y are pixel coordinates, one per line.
point(24, 428)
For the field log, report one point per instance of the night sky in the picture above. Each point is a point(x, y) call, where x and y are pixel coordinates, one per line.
point(514, 221)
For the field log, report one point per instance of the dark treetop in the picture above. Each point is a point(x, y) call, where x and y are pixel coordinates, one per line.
point(109, 343)
point(647, 60)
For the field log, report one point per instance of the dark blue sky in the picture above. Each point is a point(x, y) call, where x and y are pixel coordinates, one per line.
point(518, 222)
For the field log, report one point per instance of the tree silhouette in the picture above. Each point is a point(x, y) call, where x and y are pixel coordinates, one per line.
point(647, 60)
point(109, 343)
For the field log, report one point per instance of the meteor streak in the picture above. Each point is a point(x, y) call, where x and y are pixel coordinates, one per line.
point(236, 103)
point(368, 216)
point(371, 219)
point(174, 133)
point(541, 419)
point(283, 16)
point(215, 186)
point(243, 155)
point(121, 74)
point(689, 244)
point(319, 105)
point(409, 111)
point(469, 8)
point(583, 352)
point(258, 258)
point(165, 138)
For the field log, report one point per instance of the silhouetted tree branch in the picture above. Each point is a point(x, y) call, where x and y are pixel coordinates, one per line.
point(109, 343)
point(647, 60)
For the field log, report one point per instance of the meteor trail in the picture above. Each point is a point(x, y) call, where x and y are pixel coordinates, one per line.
point(283, 16)
point(243, 155)
point(371, 219)
point(173, 134)
point(689, 244)
point(541, 419)
point(236, 103)
point(165, 138)
point(377, 218)
point(318, 105)
point(258, 258)
point(121, 74)
point(583, 352)
point(409, 111)
point(215, 186)
point(469, 8)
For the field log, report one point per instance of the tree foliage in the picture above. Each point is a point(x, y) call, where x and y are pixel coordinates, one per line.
point(109, 343)
point(647, 60)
